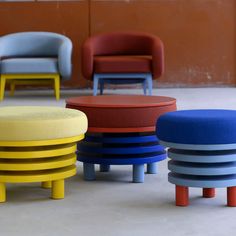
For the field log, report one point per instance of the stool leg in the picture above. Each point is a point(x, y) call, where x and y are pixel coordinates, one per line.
point(152, 168)
point(58, 189)
point(138, 173)
point(181, 196)
point(89, 171)
point(2, 192)
point(231, 196)
point(104, 168)
point(46, 184)
point(208, 192)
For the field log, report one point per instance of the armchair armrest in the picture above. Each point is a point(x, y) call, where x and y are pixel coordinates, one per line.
point(64, 59)
point(157, 58)
point(87, 59)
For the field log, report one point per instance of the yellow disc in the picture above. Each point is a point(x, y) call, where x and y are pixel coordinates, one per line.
point(37, 164)
point(37, 176)
point(41, 142)
point(37, 152)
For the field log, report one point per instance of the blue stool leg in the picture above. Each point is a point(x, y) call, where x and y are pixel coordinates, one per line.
point(104, 168)
point(89, 171)
point(138, 173)
point(152, 168)
point(149, 82)
point(101, 82)
point(145, 87)
point(95, 84)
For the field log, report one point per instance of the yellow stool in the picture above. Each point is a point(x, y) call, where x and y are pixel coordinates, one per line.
point(38, 144)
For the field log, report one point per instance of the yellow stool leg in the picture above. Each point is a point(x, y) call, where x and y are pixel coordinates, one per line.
point(57, 87)
point(58, 189)
point(2, 192)
point(12, 88)
point(2, 87)
point(46, 184)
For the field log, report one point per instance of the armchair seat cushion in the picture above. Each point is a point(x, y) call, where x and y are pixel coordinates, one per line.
point(122, 64)
point(29, 66)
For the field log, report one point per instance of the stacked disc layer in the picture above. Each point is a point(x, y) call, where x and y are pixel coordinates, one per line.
point(120, 148)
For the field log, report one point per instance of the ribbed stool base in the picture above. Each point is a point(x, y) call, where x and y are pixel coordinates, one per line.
point(105, 149)
point(206, 169)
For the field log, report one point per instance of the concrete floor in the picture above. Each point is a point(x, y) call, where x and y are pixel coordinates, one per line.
point(113, 205)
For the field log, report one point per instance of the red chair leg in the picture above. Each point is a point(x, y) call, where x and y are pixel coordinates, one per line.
point(181, 196)
point(231, 196)
point(208, 192)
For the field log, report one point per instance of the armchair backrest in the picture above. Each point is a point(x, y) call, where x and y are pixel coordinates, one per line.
point(122, 43)
point(31, 44)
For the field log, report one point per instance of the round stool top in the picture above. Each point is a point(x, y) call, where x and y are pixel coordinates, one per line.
point(120, 101)
point(198, 127)
point(28, 123)
point(122, 113)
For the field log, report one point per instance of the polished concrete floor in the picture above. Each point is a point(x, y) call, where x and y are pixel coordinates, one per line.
point(112, 205)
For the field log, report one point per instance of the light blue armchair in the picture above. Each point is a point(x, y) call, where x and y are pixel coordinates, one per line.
point(34, 58)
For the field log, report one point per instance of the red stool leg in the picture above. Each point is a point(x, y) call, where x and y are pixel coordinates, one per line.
point(208, 192)
point(181, 196)
point(231, 196)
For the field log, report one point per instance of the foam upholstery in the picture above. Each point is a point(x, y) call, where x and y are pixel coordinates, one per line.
point(40, 123)
point(198, 127)
point(37, 44)
point(29, 65)
point(133, 44)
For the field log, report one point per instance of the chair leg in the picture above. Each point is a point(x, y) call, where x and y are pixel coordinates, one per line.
point(2, 192)
point(149, 82)
point(58, 189)
point(2, 87)
point(101, 86)
point(95, 85)
point(57, 87)
point(12, 88)
point(145, 87)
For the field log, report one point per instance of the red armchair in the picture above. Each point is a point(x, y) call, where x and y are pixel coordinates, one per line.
point(122, 58)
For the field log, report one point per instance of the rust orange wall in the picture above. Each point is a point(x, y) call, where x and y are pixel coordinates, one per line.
point(199, 35)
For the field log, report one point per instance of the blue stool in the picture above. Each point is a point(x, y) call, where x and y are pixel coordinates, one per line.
point(202, 149)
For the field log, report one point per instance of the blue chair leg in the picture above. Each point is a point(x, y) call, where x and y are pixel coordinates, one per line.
point(149, 82)
point(145, 87)
point(138, 173)
point(95, 85)
point(89, 171)
point(152, 168)
point(104, 168)
point(101, 86)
